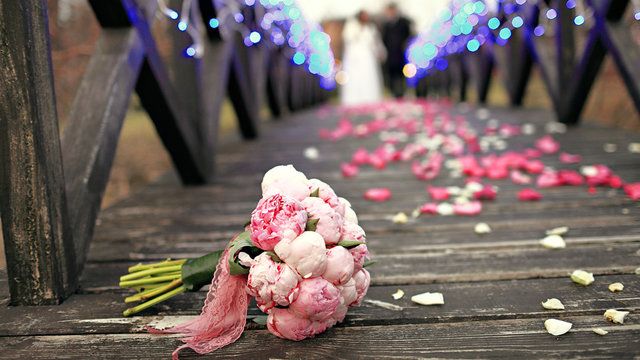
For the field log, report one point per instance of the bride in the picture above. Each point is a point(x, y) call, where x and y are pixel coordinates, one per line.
point(363, 51)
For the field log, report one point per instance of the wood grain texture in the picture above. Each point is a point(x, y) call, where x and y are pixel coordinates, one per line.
point(36, 228)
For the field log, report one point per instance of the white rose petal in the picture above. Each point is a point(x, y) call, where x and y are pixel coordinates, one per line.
point(482, 228)
point(311, 153)
point(582, 277)
point(555, 128)
point(610, 148)
point(616, 287)
point(557, 231)
point(553, 304)
point(397, 295)
point(428, 298)
point(553, 242)
point(634, 147)
point(600, 331)
point(445, 209)
point(589, 171)
point(473, 186)
point(557, 327)
point(400, 218)
point(615, 315)
point(528, 129)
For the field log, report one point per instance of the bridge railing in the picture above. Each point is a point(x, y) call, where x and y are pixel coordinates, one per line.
point(567, 69)
point(51, 187)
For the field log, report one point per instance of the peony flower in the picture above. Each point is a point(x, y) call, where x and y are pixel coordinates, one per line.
point(272, 283)
point(290, 187)
point(362, 279)
point(349, 214)
point(352, 232)
point(284, 323)
point(276, 218)
point(317, 299)
point(348, 292)
point(528, 194)
point(339, 265)
point(360, 254)
point(329, 221)
point(282, 172)
point(325, 192)
point(378, 194)
point(306, 254)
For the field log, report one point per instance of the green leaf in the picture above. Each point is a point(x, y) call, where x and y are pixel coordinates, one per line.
point(246, 224)
point(198, 272)
point(315, 193)
point(274, 256)
point(260, 320)
point(241, 242)
point(350, 243)
point(370, 262)
point(312, 224)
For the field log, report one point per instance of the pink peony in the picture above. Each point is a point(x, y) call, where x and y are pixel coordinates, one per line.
point(276, 218)
point(287, 186)
point(339, 266)
point(272, 283)
point(348, 292)
point(360, 254)
point(317, 299)
point(362, 279)
point(284, 323)
point(306, 254)
point(329, 221)
point(282, 172)
point(352, 232)
point(378, 194)
point(528, 194)
point(547, 145)
point(325, 192)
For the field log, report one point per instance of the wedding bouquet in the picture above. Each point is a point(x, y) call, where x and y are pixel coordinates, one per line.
point(302, 257)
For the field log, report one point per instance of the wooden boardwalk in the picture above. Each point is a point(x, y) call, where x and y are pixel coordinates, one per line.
point(492, 284)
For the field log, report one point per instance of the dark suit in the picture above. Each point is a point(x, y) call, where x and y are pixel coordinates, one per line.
point(395, 34)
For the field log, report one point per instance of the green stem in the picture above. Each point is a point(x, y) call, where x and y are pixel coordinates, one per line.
point(148, 294)
point(167, 262)
point(149, 280)
point(152, 271)
point(154, 301)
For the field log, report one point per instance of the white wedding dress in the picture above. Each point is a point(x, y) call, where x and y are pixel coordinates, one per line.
point(363, 51)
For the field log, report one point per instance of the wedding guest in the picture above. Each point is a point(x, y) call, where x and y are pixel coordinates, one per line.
point(363, 52)
point(395, 33)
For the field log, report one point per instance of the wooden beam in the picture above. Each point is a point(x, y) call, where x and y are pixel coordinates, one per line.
point(37, 234)
point(241, 92)
point(277, 81)
point(91, 136)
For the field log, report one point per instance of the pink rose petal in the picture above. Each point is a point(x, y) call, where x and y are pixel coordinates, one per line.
point(569, 158)
point(528, 194)
point(438, 193)
point(615, 181)
point(534, 166)
point(547, 145)
point(429, 208)
point(378, 194)
point(518, 177)
point(633, 191)
point(570, 177)
point(349, 170)
point(487, 193)
point(548, 178)
point(469, 209)
point(360, 157)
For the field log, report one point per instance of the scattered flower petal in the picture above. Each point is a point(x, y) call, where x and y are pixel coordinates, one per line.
point(487, 193)
point(553, 304)
point(557, 231)
point(610, 148)
point(633, 191)
point(528, 194)
point(547, 145)
point(400, 218)
point(570, 177)
point(570, 158)
point(616, 287)
point(600, 331)
point(557, 327)
point(398, 294)
point(429, 208)
point(438, 193)
point(553, 242)
point(378, 194)
point(615, 316)
point(349, 170)
point(518, 177)
point(445, 209)
point(634, 147)
point(311, 153)
point(428, 298)
point(384, 304)
point(482, 228)
point(582, 277)
point(470, 209)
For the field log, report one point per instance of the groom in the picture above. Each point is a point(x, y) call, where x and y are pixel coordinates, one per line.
point(395, 33)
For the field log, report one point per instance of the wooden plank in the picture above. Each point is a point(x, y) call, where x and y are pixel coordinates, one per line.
point(91, 136)
point(498, 338)
point(101, 312)
point(36, 228)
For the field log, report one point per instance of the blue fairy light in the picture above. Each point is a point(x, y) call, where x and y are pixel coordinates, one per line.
point(238, 17)
point(473, 45)
point(493, 23)
point(298, 58)
point(517, 22)
point(182, 26)
point(504, 33)
point(173, 15)
point(214, 23)
point(578, 20)
point(571, 4)
point(637, 15)
point(442, 64)
point(538, 30)
point(190, 51)
point(551, 14)
point(250, 2)
point(255, 37)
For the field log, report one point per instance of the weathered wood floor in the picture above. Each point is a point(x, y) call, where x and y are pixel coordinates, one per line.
point(493, 284)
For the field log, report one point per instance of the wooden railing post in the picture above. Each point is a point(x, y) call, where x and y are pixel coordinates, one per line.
point(36, 228)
